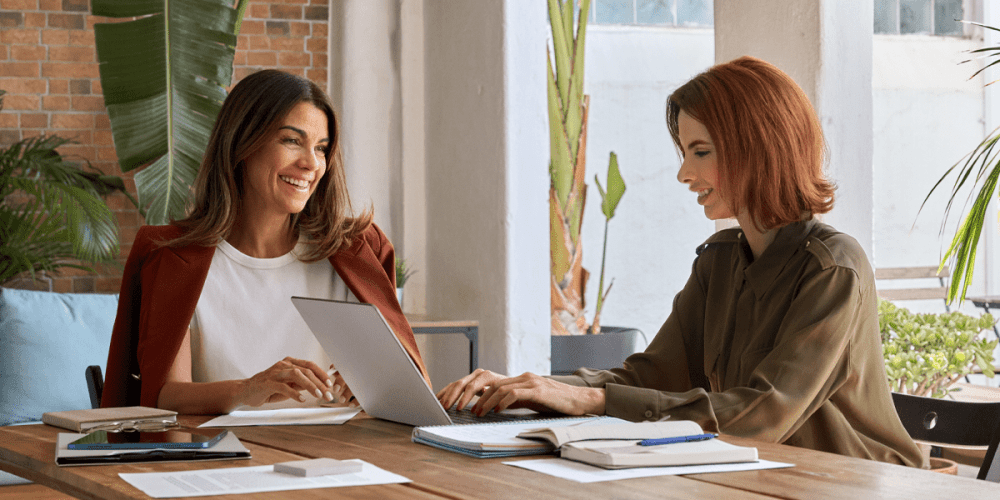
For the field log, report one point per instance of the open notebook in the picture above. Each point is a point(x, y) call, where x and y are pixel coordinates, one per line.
point(500, 439)
point(616, 445)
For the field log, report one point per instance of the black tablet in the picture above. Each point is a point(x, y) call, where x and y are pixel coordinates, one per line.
point(177, 438)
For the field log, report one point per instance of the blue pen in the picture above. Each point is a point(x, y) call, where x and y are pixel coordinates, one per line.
point(678, 439)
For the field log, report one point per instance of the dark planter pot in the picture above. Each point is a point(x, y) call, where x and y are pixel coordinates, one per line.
point(602, 352)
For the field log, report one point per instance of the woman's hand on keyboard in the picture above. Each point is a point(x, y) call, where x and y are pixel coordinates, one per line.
point(497, 393)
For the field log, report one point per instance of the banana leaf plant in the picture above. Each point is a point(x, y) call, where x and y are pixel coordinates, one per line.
point(164, 76)
point(568, 143)
point(568, 107)
point(980, 169)
point(52, 214)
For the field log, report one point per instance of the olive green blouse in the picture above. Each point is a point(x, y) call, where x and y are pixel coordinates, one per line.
point(784, 349)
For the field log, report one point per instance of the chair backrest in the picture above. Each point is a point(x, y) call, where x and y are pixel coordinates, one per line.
point(990, 471)
point(95, 384)
point(944, 422)
point(937, 289)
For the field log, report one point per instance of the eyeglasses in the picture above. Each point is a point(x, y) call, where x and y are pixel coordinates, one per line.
point(136, 426)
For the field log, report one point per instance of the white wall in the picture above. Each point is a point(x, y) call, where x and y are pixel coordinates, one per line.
point(652, 239)
point(413, 246)
point(487, 188)
point(368, 39)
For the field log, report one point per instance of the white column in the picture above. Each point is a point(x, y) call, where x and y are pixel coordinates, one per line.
point(826, 47)
point(526, 134)
point(414, 174)
point(487, 181)
point(364, 84)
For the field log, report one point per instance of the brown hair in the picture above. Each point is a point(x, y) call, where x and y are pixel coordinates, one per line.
point(250, 114)
point(767, 138)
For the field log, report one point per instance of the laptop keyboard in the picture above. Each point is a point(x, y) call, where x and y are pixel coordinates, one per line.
point(467, 417)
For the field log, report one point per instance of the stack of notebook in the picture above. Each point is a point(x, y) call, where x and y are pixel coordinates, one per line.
point(602, 441)
point(133, 417)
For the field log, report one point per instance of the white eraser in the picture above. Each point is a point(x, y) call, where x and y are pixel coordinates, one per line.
point(318, 467)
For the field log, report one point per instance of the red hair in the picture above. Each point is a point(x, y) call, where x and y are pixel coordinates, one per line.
point(767, 137)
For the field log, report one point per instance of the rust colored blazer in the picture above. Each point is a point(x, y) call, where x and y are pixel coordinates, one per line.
point(161, 287)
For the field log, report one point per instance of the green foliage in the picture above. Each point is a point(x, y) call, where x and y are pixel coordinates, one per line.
point(981, 168)
point(164, 76)
point(403, 272)
point(51, 211)
point(926, 353)
point(616, 188)
point(609, 202)
point(566, 99)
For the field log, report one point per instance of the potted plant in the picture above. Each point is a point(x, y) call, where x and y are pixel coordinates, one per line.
point(403, 273)
point(568, 107)
point(981, 167)
point(51, 210)
point(926, 353)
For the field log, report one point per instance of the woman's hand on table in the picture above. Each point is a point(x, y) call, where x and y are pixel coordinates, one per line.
point(287, 379)
point(497, 393)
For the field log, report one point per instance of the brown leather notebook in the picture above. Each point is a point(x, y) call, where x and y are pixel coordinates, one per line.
point(128, 416)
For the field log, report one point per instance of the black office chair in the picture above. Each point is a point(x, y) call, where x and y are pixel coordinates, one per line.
point(95, 384)
point(990, 470)
point(943, 422)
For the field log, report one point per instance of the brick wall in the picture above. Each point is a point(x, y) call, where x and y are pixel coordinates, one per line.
point(48, 66)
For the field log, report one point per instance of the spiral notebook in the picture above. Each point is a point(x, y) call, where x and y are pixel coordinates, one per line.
point(490, 440)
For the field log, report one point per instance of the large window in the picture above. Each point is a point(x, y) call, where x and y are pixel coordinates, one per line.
point(919, 17)
point(686, 13)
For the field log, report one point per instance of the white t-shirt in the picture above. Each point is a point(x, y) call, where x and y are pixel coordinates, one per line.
point(245, 321)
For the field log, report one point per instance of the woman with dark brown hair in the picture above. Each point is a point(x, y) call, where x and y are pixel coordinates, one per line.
point(775, 336)
point(204, 317)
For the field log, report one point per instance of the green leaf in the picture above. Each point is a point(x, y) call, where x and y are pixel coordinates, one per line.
point(164, 76)
point(567, 17)
point(561, 167)
point(574, 215)
point(562, 50)
point(574, 98)
point(558, 243)
point(980, 167)
point(616, 188)
point(58, 216)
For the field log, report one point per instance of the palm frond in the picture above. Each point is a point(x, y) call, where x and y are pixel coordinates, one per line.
point(164, 77)
point(52, 213)
point(979, 170)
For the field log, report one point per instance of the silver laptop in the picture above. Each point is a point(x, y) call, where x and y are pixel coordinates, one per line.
point(376, 367)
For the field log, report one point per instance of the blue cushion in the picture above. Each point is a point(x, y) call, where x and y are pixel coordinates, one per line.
point(47, 340)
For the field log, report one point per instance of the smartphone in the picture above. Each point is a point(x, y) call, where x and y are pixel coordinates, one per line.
point(180, 438)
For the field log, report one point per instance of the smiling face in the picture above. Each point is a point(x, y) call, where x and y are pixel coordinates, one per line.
point(700, 169)
point(282, 175)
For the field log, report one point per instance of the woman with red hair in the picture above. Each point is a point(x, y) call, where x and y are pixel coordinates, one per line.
point(775, 336)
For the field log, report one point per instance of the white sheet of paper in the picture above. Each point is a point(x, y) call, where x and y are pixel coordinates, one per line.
point(584, 473)
point(242, 480)
point(284, 416)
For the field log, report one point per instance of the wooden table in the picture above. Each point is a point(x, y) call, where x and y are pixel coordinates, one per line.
point(28, 451)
